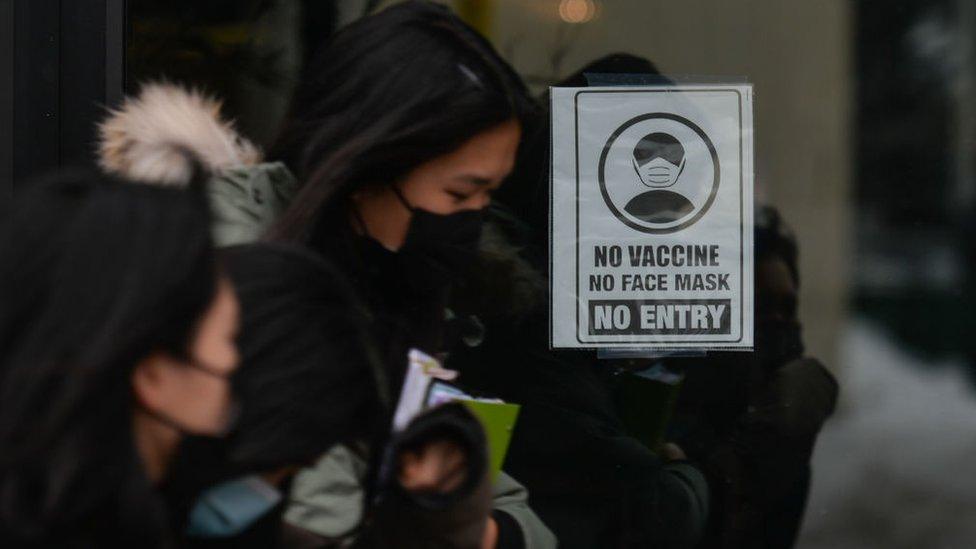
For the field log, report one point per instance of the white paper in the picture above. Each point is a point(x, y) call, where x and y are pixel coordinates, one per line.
point(652, 217)
point(422, 370)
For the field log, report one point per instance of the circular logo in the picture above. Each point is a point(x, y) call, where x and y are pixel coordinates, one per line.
point(659, 173)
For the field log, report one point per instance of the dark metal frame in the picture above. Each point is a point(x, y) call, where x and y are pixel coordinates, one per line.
point(66, 61)
point(6, 98)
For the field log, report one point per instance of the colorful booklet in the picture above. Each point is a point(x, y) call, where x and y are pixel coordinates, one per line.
point(427, 385)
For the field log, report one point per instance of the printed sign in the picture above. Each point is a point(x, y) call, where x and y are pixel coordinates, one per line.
point(651, 217)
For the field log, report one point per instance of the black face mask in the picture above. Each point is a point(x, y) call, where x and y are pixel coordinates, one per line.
point(446, 245)
point(778, 342)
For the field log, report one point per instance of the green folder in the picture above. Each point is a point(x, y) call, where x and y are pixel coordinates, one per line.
point(645, 406)
point(498, 420)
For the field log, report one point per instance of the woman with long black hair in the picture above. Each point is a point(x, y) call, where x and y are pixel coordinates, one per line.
point(400, 130)
point(116, 341)
point(405, 124)
point(310, 381)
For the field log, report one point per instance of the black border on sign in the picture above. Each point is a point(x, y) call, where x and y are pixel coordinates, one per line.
point(669, 342)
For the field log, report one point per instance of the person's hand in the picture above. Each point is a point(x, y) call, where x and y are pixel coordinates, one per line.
point(438, 466)
point(672, 452)
point(490, 539)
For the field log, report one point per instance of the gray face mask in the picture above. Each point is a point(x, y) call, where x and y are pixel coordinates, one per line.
point(230, 508)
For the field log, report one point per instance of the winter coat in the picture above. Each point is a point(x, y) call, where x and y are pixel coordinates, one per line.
point(149, 138)
point(754, 430)
point(591, 481)
point(245, 201)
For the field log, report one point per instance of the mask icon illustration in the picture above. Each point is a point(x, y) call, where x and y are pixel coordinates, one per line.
point(659, 160)
point(659, 173)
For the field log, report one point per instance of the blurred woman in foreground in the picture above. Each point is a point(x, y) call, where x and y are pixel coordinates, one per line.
point(116, 340)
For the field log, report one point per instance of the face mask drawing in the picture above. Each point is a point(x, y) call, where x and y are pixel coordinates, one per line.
point(659, 173)
point(659, 161)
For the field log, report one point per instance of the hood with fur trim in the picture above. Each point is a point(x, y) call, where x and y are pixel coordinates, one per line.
point(158, 135)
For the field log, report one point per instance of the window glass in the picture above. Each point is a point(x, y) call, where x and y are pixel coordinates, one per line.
point(865, 127)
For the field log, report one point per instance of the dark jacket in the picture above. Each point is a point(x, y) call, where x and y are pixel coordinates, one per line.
point(591, 482)
point(754, 429)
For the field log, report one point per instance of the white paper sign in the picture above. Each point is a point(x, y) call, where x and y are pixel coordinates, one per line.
point(652, 222)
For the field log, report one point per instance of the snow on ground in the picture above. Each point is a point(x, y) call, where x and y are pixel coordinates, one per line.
point(896, 466)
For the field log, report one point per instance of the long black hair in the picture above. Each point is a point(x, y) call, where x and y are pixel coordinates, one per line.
point(95, 274)
point(310, 377)
point(527, 193)
point(386, 94)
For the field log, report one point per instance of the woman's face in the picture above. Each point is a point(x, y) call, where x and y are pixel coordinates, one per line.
point(196, 394)
point(465, 178)
point(459, 180)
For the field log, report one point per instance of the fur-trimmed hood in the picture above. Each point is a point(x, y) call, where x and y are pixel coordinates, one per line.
point(157, 135)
